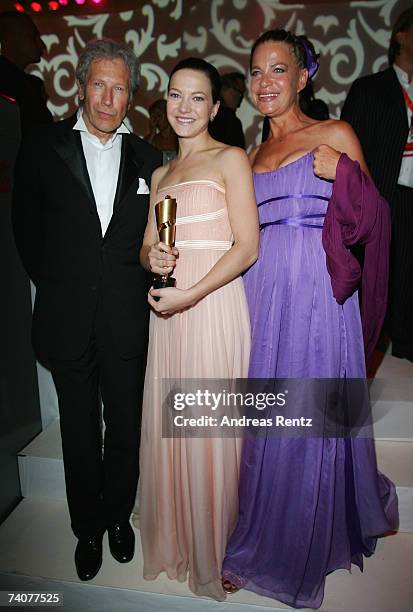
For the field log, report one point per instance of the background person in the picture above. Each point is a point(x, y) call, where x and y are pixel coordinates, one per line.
point(226, 127)
point(21, 46)
point(160, 134)
point(380, 109)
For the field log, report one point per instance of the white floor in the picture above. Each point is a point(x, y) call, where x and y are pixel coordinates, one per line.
point(37, 545)
point(37, 541)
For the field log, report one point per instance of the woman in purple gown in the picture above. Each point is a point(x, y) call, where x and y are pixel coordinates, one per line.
point(308, 506)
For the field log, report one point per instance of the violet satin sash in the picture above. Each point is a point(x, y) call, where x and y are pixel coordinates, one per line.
point(296, 196)
point(297, 220)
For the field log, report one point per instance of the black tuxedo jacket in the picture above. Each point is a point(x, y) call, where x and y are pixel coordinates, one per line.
point(376, 110)
point(58, 235)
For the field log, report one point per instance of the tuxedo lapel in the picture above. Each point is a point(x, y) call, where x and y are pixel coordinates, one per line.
point(69, 147)
point(128, 172)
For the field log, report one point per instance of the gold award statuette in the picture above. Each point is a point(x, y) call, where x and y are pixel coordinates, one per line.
point(165, 213)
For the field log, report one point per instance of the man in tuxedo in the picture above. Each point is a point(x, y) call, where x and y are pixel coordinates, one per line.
point(80, 208)
point(380, 109)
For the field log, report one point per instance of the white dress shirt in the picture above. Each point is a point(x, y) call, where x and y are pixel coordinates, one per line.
point(406, 169)
point(102, 162)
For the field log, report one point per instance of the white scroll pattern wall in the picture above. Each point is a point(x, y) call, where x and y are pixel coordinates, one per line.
point(351, 37)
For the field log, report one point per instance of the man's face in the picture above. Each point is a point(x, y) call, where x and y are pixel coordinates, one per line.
point(105, 97)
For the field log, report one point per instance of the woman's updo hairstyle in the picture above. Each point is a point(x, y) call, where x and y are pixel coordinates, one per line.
point(200, 65)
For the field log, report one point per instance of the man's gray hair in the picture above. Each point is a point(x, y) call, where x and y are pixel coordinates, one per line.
point(105, 48)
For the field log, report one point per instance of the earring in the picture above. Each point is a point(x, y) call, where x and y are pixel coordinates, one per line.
point(211, 118)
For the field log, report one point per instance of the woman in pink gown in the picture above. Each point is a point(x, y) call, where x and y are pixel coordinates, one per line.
point(188, 494)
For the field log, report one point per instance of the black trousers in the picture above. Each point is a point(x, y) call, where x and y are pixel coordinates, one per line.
point(400, 310)
point(101, 480)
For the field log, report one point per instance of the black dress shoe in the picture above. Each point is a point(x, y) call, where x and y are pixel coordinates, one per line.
point(88, 557)
point(122, 541)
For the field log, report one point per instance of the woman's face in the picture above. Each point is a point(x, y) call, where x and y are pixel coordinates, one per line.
point(189, 104)
point(276, 78)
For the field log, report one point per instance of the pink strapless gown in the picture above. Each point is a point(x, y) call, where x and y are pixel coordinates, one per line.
point(188, 493)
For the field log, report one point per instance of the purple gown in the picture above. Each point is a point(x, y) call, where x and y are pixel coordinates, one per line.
point(307, 506)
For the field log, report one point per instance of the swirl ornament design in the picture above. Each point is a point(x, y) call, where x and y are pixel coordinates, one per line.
point(352, 40)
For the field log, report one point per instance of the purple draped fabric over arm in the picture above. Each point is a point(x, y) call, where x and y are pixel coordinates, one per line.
point(358, 214)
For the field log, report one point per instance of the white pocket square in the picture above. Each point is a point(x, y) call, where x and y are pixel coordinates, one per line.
point(143, 187)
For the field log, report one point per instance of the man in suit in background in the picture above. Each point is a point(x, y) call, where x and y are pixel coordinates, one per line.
point(21, 46)
point(80, 209)
point(380, 109)
point(226, 126)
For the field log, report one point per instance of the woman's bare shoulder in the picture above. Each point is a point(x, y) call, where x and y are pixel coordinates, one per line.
point(159, 175)
point(341, 137)
point(232, 162)
point(229, 153)
point(339, 133)
point(230, 159)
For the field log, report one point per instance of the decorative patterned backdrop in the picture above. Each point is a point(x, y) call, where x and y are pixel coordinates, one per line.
point(154, 31)
point(351, 37)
